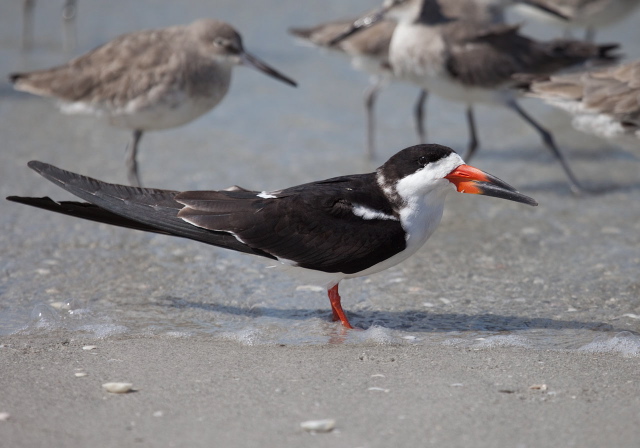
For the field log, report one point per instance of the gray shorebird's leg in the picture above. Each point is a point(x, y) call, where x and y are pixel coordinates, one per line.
point(473, 136)
point(590, 34)
point(69, 13)
point(27, 23)
point(130, 159)
point(418, 112)
point(549, 142)
point(370, 96)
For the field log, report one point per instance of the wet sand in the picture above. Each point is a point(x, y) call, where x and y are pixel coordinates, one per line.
point(494, 269)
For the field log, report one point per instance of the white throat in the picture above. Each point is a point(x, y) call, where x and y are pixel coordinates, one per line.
point(423, 194)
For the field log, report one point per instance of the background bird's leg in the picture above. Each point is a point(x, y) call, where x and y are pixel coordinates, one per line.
point(27, 23)
point(69, 13)
point(590, 34)
point(130, 159)
point(370, 96)
point(336, 307)
point(549, 142)
point(473, 135)
point(418, 112)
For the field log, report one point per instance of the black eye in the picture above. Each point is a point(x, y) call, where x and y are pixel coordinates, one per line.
point(422, 161)
point(219, 42)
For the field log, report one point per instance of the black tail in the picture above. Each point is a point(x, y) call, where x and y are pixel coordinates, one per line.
point(86, 211)
point(574, 52)
point(146, 209)
point(604, 51)
point(14, 77)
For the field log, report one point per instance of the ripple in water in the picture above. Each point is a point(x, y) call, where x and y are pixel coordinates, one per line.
point(264, 324)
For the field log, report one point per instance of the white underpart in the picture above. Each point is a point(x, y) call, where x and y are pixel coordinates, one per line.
point(593, 122)
point(371, 65)
point(309, 276)
point(161, 107)
point(369, 213)
point(266, 195)
point(603, 126)
point(590, 121)
point(418, 55)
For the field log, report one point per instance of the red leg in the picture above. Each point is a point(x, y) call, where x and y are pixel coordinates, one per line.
point(336, 307)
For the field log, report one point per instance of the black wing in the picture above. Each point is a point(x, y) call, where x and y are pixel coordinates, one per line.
point(490, 55)
point(312, 225)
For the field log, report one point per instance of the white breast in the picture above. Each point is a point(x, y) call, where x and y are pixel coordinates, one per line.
point(161, 107)
point(418, 55)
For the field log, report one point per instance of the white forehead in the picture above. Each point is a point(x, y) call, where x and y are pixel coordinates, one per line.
point(429, 178)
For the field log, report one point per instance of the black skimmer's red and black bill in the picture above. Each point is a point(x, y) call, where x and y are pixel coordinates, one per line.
point(328, 230)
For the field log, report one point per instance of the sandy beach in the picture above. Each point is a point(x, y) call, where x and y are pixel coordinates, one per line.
point(202, 393)
point(513, 327)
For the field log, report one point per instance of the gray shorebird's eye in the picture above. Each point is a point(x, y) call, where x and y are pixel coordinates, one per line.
point(219, 42)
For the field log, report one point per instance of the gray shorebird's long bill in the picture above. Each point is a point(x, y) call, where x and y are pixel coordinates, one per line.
point(360, 24)
point(252, 61)
point(545, 8)
point(468, 179)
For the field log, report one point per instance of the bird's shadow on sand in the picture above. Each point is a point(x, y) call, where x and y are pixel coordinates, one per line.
point(407, 320)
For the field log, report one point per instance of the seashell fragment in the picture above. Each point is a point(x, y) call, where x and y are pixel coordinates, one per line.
point(117, 388)
point(318, 425)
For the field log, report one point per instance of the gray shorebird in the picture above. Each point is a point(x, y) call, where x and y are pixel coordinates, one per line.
point(588, 14)
point(369, 51)
point(69, 13)
point(149, 80)
point(474, 62)
point(603, 102)
point(324, 231)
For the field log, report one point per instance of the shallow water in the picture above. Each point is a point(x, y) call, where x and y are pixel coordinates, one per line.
point(564, 275)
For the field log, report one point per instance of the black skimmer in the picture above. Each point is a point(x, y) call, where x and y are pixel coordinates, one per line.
point(326, 231)
point(149, 80)
point(603, 102)
point(474, 62)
